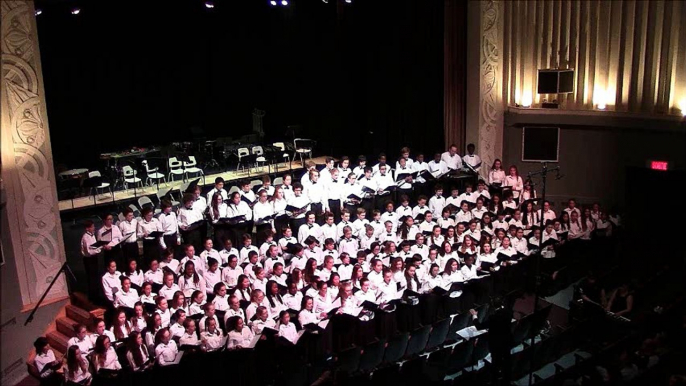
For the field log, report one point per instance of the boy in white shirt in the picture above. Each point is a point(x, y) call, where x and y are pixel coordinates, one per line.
point(437, 202)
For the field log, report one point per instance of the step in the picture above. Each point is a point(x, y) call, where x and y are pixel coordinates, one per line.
point(58, 341)
point(66, 326)
point(79, 315)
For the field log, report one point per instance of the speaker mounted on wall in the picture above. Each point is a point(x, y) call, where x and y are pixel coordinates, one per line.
point(540, 144)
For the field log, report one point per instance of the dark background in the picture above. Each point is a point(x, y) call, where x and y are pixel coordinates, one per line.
point(359, 78)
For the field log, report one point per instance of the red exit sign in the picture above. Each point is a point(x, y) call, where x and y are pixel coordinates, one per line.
point(659, 165)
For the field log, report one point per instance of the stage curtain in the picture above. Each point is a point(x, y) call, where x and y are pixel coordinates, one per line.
point(454, 72)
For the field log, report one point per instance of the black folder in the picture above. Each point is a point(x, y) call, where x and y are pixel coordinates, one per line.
point(231, 220)
point(404, 174)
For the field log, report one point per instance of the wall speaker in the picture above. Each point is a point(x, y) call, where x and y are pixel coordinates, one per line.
point(540, 144)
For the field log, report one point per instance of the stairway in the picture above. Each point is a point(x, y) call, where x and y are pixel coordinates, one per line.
point(80, 310)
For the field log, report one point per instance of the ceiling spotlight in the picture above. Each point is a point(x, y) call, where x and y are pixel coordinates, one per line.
point(325, 1)
point(273, 2)
point(38, 11)
point(348, 1)
point(76, 11)
point(284, 2)
point(209, 5)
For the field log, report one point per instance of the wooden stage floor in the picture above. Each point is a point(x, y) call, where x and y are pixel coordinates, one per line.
point(228, 176)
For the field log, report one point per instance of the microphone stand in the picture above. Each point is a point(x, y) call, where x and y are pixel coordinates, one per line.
point(537, 270)
point(65, 268)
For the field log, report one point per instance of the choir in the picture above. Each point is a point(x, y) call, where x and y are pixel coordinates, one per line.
point(227, 270)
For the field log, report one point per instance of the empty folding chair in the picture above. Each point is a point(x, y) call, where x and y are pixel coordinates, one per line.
point(243, 153)
point(258, 152)
point(439, 332)
point(411, 371)
point(233, 190)
point(130, 177)
point(284, 156)
point(396, 347)
point(191, 167)
point(480, 348)
point(277, 181)
point(136, 211)
point(349, 360)
point(175, 168)
point(372, 355)
point(302, 147)
point(436, 366)
point(152, 174)
point(388, 375)
point(460, 357)
point(417, 343)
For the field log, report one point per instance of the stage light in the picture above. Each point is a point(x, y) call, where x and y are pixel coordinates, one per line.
point(349, 1)
point(325, 1)
point(38, 11)
point(284, 2)
point(599, 98)
point(273, 3)
point(209, 5)
point(76, 11)
point(527, 99)
point(682, 107)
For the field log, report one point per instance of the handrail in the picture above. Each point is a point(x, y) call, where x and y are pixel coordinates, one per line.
point(64, 268)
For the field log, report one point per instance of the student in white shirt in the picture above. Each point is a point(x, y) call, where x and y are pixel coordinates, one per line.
point(234, 310)
point(99, 330)
point(212, 276)
point(262, 320)
point(307, 314)
point(165, 348)
point(437, 201)
point(262, 214)
point(152, 245)
point(211, 335)
point(200, 265)
point(571, 207)
point(154, 274)
point(472, 159)
point(139, 319)
point(170, 225)
point(75, 368)
point(128, 227)
point(112, 235)
point(345, 269)
point(169, 288)
point(111, 282)
point(239, 335)
point(218, 188)
point(514, 181)
point(437, 166)
point(90, 258)
point(134, 274)
point(121, 328)
point(81, 340)
point(191, 280)
point(126, 296)
point(298, 200)
point(137, 354)
point(227, 251)
point(496, 176)
point(286, 328)
point(208, 252)
point(104, 356)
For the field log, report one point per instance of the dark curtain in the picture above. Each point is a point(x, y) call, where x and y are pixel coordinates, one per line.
point(454, 69)
point(359, 78)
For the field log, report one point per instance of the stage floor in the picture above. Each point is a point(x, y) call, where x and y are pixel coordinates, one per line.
point(228, 176)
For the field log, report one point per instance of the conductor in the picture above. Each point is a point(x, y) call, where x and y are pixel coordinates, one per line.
point(499, 339)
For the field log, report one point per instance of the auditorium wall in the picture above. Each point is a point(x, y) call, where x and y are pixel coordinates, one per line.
point(594, 159)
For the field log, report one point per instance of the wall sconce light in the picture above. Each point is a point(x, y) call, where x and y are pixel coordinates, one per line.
point(527, 99)
point(599, 97)
point(682, 106)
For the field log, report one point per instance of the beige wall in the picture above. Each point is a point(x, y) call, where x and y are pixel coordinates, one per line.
point(631, 54)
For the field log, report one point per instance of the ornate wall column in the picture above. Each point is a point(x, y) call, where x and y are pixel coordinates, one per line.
point(484, 84)
point(28, 178)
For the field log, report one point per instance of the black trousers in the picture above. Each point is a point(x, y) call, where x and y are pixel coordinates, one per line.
point(352, 208)
point(115, 254)
point(151, 251)
point(130, 251)
point(295, 225)
point(279, 223)
point(193, 237)
point(90, 264)
point(335, 208)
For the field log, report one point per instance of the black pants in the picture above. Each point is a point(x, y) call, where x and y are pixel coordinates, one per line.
point(279, 223)
point(335, 208)
point(151, 251)
point(318, 210)
point(170, 242)
point(352, 208)
point(405, 192)
point(260, 233)
point(115, 254)
point(295, 225)
point(193, 237)
point(90, 264)
point(381, 201)
point(368, 205)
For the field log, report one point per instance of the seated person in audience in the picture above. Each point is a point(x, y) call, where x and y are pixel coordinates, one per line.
point(111, 281)
point(211, 335)
point(221, 298)
point(104, 356)
point(165, 348)
point(163, 310)
point(135, 274)
point(198, 263)
point(234, 309)
point(212, 276)
point(45, 361)
point(310, 228)
point(232, 271)
point(75, 368)
point(176, 324)
point(286, 328)
point(81, 339)
point(121, 327)
point(621, 301)
point(261, 320)
point(189, 337)
point(227, 251)
point(209, 251)
point(155, 274)
point(138, 320)
point(246, 249)
point(197, 303)
point(138, 355)
point(307, 314)
point(437, 166)
point(126, 297)
point(99, 330)
point(239, 335)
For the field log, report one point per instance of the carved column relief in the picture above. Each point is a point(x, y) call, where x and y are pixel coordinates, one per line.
point(27, 167)
point(490, 102)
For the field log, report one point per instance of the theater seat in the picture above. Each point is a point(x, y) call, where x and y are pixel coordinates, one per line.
point(372, 355)
point(417, 343)
point(460, 357)
point(439, 332)
point(396, 348)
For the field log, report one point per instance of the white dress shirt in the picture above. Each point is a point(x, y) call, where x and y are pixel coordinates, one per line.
point(453, 162)
point(169, 222)
point(166, 353)
point(109, 282)
point(87, 240)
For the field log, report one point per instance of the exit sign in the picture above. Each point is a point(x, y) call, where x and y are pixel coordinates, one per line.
point(659, 165)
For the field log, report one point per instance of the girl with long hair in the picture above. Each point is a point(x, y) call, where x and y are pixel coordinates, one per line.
point(76, 367)
point(138, 355)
